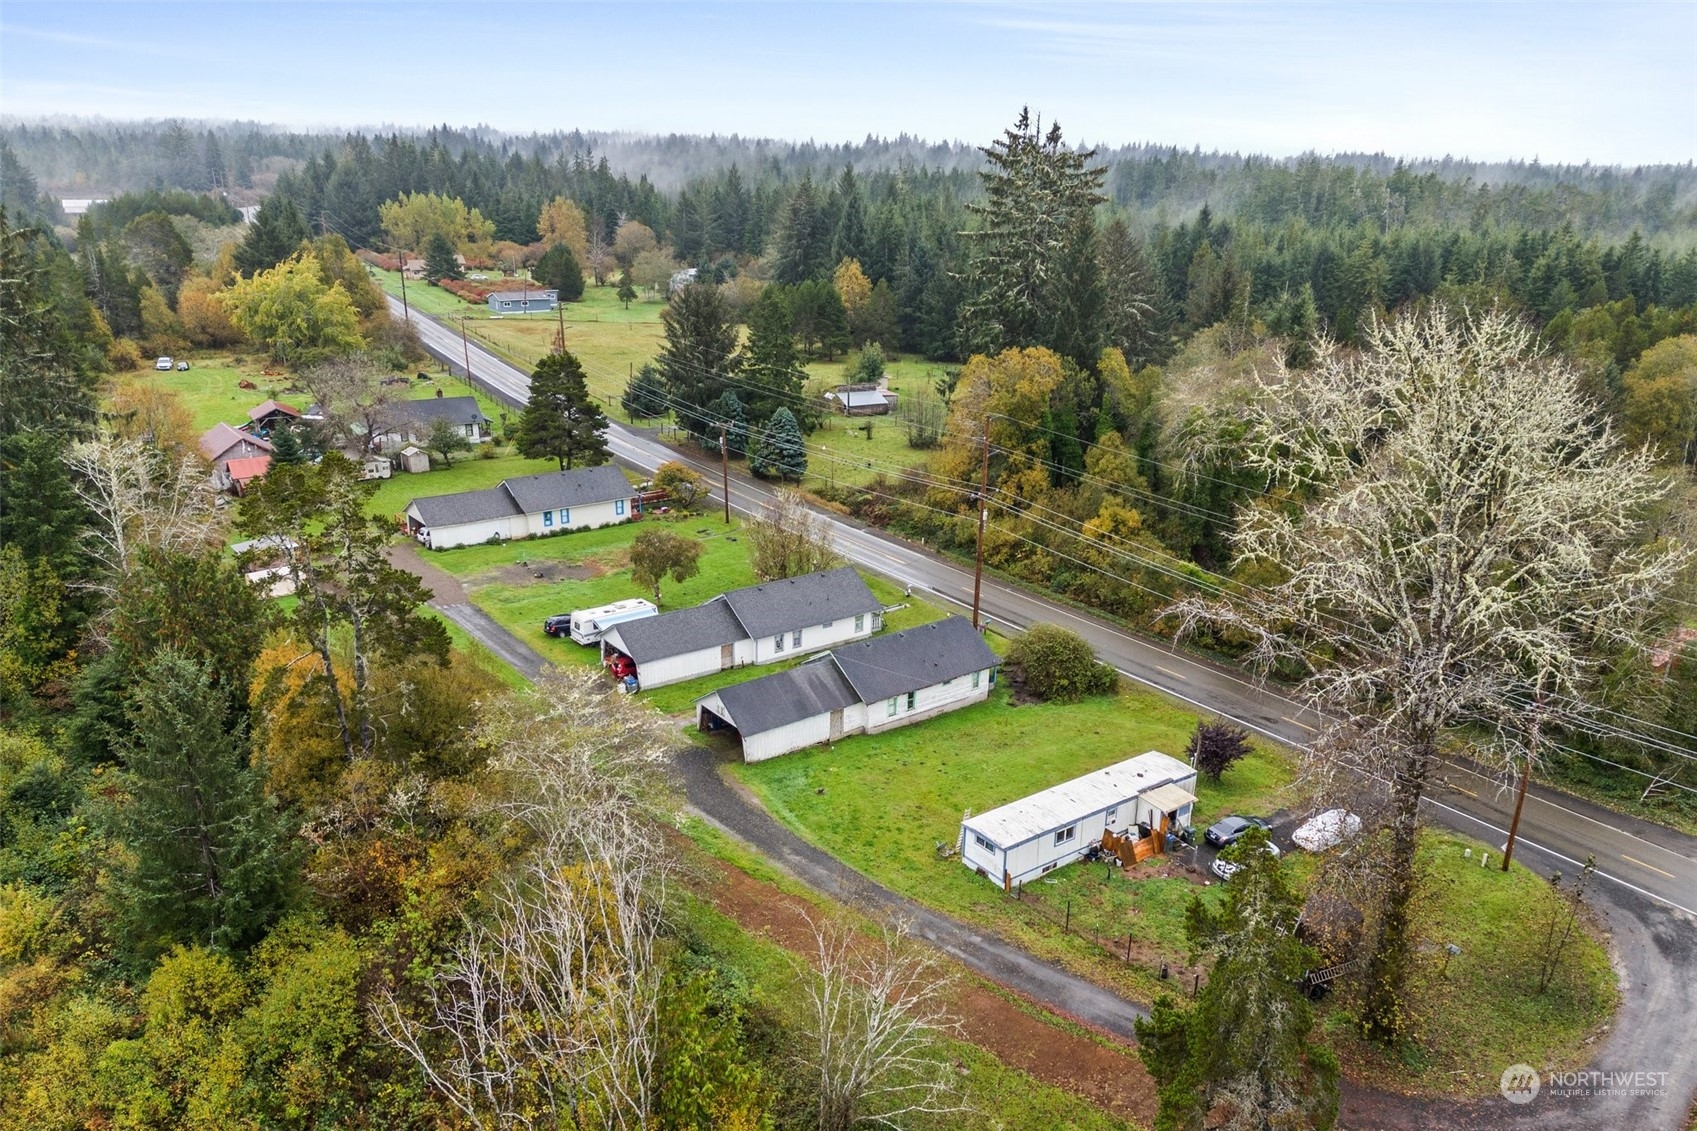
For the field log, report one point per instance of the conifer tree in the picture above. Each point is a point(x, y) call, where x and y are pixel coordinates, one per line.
point(211, 860)
point(771, 361)
point(782, 453)
point(627, 291)
point(645, 395)
point(276, 234)
point(439, 261)
point(561, 421)
point(700, 358)
point(559, 269)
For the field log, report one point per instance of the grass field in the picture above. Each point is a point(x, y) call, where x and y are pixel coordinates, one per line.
point(883, 803)
point(210, 388)
point(1482, 1011)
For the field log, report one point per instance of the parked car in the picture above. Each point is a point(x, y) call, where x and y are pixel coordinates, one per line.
point(1226, 831)
point(163, 365)
point(1326, 830)
point(621, 666)
point(182, 367)
point(1225, 869)
point(558, 625)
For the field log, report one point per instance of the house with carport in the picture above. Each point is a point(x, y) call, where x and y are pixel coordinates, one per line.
point(761, 624)
point(860, 688)
point(524, 507)
point(1134, 800)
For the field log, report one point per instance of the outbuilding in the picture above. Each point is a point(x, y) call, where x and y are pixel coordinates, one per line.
point(859, 688)
point(522, 507)
point(761, 624)
point(523, 302)
point(1148, 795)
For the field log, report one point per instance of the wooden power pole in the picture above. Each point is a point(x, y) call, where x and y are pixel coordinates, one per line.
point(983, 517)
point(406, 311)
point(725, 471)
point(466, 346)
point(1525, 777)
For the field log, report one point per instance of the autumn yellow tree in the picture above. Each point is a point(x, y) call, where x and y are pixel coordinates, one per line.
point(142, 409)
point(562, 221)
point(1660, 406)
point(412, 218)
point(291, 311)
point(205, 318)
point(853, 287)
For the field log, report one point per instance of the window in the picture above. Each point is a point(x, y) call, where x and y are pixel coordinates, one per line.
point(1113, 814)
point(860, 622)
point(547, 518)
point(778, 642)
point(911, 696)
point(565, 516)
point(975, 678)
point(984, 844)
point(1065, 835)
point(828, 624)
point(618, 506)
point(890, 709)
point(992, 677)
point(795, 641)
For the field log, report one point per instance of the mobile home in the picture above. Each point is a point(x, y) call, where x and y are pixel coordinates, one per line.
point(1150, 794)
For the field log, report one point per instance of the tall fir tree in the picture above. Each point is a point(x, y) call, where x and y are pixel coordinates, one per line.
point(439, 259)
point(804, 240)
point(561, 420)
point(276, 234)
point(559, 269)
point(782, 452)
point(645, 394)
point(699, 360)
point(210, 855)
point(771, 363)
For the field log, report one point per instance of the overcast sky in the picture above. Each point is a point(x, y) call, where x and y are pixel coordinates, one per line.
point(1611, 83)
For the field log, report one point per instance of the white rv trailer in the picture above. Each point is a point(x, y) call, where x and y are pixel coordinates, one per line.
point(590, 625)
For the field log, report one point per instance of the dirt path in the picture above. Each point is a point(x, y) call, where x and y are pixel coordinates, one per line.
point(1111, 1078)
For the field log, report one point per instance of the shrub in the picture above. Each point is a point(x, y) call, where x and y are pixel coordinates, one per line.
point(1215, 746)
point(1057, 665)
point(486, 450)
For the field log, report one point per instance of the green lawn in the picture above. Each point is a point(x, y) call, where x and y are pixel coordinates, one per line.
point(1483, 1011)
point(210, 388)
point(883, 802)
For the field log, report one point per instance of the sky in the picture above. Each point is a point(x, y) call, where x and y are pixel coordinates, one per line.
point(1606, 83)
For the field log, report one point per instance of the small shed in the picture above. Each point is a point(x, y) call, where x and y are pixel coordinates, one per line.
point(860, 400)
point(1150, 794)
point(413, 459)
point(245, 471)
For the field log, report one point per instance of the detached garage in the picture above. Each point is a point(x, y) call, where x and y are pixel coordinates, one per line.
point(1037, 834)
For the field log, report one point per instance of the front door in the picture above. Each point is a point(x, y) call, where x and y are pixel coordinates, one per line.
point(726, 656)
point(836, 724)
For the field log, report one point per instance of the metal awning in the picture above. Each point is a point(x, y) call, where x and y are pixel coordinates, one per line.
point(1169, 798)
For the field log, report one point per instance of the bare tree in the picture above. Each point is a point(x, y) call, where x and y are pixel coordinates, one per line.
point(546, 1012)
point(356, 404)
point(876, 1011)
point(789, 540)
point(141, 498)
point(1462, 530)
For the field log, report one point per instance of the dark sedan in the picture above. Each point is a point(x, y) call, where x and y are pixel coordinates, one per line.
point(1226, 831)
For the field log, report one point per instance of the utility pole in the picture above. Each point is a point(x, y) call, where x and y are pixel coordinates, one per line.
point(465, 345)
point(560, 309)
point(983, 517)
point(1525, 776)
point(406, 311)
point(725, 471)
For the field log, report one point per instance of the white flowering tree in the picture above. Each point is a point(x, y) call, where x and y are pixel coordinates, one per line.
point(1458, 535)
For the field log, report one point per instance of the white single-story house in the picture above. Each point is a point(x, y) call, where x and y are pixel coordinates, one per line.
point(761, 624)
point(860, 688)
point(523, 507)
point(1026, 838)
point(410, 422)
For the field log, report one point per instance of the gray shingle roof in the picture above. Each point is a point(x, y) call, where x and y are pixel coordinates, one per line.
point(466, 506)
point(776, 700)
point(800, 602)
point(676, 633)
point(455, 410)
point(899, 662)
point(520, 296)
point(576, 488)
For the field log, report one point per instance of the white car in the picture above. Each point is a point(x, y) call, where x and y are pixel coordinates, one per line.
point(1326, 830)
point(1225, 869)
point(163, 364)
